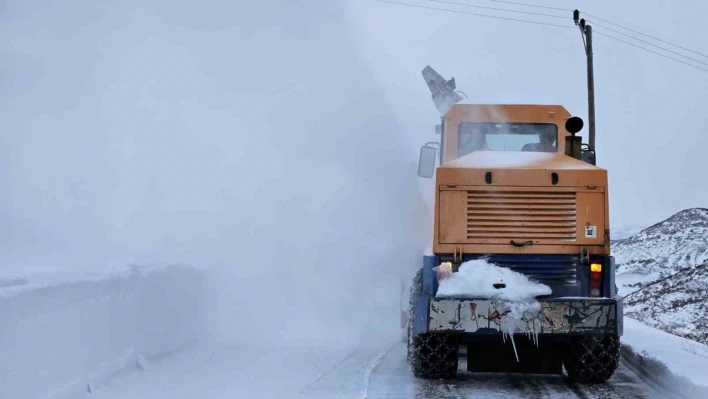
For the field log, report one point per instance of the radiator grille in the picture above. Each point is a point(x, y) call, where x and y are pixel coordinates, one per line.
point(549, 270)
point(521, 215)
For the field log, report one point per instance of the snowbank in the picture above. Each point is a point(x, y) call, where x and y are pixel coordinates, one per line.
point(683, 357)
point(60, 336)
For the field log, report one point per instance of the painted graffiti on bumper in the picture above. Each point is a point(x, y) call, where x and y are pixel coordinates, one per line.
point(553, 316)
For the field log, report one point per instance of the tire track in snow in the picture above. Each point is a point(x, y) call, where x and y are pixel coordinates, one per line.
point(325, 373)
point(577, 390)
point(382, 372)
point(350, 376)
point(390, 378)
point(513, 381)
point(373, 365)
point(542, 388)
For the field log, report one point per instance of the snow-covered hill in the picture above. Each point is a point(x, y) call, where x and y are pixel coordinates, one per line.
point(668, 259)
point(678, 305)
point(677, 242)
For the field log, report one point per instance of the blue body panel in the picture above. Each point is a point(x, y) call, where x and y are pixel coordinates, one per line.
point(420, 322)
point(430, 287)
point(430, 281)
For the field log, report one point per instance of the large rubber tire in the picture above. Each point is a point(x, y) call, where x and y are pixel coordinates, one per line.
point(431, 356)
point(592, 359)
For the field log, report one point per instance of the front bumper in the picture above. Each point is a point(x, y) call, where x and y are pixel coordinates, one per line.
point(556, 316)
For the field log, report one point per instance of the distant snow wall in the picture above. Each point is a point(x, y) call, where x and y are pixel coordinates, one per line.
point(58, 338)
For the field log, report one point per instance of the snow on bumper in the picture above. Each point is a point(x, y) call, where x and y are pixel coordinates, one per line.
point(556, 316)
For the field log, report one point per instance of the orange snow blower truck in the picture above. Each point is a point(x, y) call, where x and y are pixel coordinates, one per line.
point(515, 186)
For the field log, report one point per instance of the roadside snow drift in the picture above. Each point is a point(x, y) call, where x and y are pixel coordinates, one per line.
point(684, 357)
point(60, 338)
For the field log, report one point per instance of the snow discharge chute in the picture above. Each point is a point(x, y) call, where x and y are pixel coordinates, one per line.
point(442, 91)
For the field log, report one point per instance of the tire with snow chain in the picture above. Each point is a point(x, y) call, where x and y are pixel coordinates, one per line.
point(432, 356)
point(592, 359)
point(435, 356)
point(415, 290)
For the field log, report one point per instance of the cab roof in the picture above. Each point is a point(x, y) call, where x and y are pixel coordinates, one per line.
point(512, 113)
point(518, 160)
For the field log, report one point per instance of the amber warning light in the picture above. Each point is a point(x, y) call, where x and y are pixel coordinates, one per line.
point(595, 279)
point(444, 270)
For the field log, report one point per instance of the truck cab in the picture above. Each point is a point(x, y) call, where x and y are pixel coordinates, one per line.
point(504, 194)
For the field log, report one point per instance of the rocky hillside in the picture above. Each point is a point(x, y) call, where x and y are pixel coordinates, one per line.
point(669, 258)
point(678, 305)
point(679, 241)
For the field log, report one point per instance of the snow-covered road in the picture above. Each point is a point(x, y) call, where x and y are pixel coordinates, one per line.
point(379, 370)
point(393, 379)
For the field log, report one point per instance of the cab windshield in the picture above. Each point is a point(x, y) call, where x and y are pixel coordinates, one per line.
point(491, 136)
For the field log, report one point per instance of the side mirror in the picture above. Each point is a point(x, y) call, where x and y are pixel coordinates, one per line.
point(426, 162)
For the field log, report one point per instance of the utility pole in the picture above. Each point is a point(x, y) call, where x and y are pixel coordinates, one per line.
point(586, 33)
point(591, 86)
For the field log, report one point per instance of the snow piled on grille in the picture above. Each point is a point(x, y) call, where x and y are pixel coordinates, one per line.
point(476, 279)
point(517, 294)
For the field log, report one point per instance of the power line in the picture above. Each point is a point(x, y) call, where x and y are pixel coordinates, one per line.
point(651, 44)
point(644, 34)
point(530, 5)
point(475, 14)
point(497, 9)
point(548, 24)
point(651, 51)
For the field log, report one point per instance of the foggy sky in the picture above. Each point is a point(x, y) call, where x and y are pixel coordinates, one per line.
point(113, 114)
point(277, 141)
point(650, 130)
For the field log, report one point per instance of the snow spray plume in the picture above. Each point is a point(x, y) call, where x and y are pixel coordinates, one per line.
point(278, 164)
point(338, 217)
